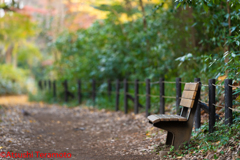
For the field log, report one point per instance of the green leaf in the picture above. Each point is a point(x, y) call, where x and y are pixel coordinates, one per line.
point(233, 28)
point(224, 24)
point(237, 43)
point(205, 7)
point(234, 55)
point(179, 4)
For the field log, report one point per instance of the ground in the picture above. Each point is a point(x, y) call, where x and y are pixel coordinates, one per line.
point(85, 133)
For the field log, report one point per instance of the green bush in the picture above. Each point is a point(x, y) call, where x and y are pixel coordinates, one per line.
point(12, 80)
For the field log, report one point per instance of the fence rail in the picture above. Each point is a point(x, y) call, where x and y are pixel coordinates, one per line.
point(228, 87)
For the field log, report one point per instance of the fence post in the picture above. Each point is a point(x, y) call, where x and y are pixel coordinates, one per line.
point(148, 98)
point(66, 90)
point(54, 89)
point(228, 101)
point(45, 84)
point(198, 110)
point(125, 96)
point(93, 91)
point(212, 102)
point(178, 94)
point(109, 89)
point(136, 88)
point(117, 95)
point(79, 92)
point(162, 99)
point(49, 84)
point(40, 84)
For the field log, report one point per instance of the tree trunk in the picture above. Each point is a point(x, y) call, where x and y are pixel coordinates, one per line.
point(129, 11)
point(144, 15)
point(229, 22)
point(8, 54)
point(227, 48)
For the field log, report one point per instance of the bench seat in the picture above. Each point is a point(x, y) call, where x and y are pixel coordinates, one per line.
point(163, 117)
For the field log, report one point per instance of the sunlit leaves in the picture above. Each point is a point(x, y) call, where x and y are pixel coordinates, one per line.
point(15, 27)
point(126, 50)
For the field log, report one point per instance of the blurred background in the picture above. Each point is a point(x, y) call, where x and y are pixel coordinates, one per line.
point(116, 39)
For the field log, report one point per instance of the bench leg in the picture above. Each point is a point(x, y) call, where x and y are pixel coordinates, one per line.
point(178, 133)
point(179, 140)
point(169, 139)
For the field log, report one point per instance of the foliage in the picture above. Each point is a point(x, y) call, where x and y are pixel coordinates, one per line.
point(10, 88)
point(224, 137)
point(10, 6)
point(18, 53)
point(17, 30)
point(16, 34)
point(174, 44)
point(217, 32)
point(186, 42)
point(12, 74)
point(124, 50)
point(220, 144)
point(29, 55)
point(13, 80)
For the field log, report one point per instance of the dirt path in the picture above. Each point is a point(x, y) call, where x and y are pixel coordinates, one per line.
point(86, 134)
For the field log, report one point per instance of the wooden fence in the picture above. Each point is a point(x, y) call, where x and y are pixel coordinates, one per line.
point(210, 108)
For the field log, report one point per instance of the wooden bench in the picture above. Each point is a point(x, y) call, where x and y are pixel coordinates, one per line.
point(179, 127)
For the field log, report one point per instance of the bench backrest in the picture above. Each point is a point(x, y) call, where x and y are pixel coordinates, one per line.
point(188, 98)
point(189, 94)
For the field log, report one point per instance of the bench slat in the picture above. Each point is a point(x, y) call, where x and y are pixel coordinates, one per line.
point(191, 86)
point(180, 118)
point(187, 102)
point(173, 118)
point(163, 117)
point(153, 118)
point(189, 94)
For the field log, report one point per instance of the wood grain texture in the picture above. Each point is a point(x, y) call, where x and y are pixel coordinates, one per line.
point(154, 118)
point(162, 117)
point(189, 94)
point(187, 103)
point(191, 86)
